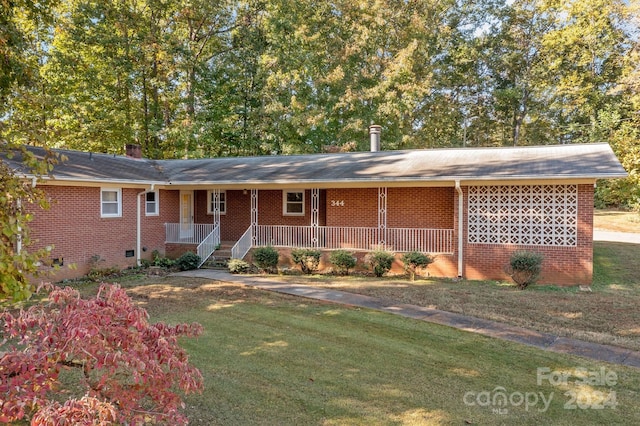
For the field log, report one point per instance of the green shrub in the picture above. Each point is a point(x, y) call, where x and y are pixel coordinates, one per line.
point(525, 267)
point(308, 259)
point(380, 261)
point(161, 261)
point(414, 260)
point(266, 259)
point(238, 266)
point(343, 261)
point(188, 261)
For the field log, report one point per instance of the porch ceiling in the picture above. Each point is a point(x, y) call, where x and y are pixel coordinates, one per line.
point(412, 167)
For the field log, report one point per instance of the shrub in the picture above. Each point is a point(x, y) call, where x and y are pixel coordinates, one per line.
point(129, 369)
point(343, 260)
point(161, 261)
point(188, 261)
point(414, 260)
point(238, 266)
point(380, 261)
point(525, 267)
point(308, 259)
point(266, 259)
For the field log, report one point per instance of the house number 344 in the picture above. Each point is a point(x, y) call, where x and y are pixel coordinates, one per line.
point(337, 203)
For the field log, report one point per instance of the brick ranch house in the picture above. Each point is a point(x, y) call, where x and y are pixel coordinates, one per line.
point(470, 207)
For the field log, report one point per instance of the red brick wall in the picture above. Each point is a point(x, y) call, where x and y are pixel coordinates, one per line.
point(74, 226)
point(561, 265)
point(406, 207)
point(352, 207)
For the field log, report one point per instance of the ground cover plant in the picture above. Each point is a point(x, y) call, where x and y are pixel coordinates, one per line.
point(274, 359)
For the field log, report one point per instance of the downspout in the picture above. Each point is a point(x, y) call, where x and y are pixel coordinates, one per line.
point(460, 227)
point(138, 224)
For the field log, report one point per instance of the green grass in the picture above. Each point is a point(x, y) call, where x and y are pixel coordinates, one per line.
point(273, 359)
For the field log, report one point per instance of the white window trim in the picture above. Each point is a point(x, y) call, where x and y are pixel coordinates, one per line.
point(209, 209)
point(117, 191)
point(156, 202)
point(284, 203)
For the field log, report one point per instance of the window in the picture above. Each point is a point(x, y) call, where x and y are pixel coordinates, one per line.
point(151, 203)
point(111, 202)
point(293, 203)
point(223, 202)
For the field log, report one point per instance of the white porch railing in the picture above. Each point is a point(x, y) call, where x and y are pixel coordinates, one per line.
point(355, 238)
point(187, 233)
point(321, 237)
point(420, 239)
point(208, 245)
point(242, 247)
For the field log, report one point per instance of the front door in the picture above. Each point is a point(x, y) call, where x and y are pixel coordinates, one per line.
point(186, 214)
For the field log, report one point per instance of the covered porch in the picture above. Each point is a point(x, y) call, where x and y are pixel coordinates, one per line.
point(311, 220)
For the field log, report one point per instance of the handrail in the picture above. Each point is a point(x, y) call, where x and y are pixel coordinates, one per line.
point(208, 245)
point(244, 244)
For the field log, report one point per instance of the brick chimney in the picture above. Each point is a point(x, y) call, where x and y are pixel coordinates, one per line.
point(133, 150)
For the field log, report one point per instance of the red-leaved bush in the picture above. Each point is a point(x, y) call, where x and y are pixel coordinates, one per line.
point(131, 369)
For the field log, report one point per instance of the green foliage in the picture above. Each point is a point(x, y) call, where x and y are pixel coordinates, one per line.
point(15, 195)
point(266, 259)
point(238, 266)
point(525, 267)
point(343, 260)
point(188, 261)
point(308, 259)
point(414, 260)
point(161, 261)
point(221, 79)
point(380, 261)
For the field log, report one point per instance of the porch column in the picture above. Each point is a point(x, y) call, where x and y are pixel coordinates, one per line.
point(254, 217)
point(215, 199)
point(315, 215)
point(382, 217)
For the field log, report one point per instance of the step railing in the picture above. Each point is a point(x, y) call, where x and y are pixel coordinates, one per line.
point(244, 244)
point(208, 245)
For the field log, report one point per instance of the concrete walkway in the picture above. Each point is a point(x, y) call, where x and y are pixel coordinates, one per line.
point(617, 237)
point(545, 341)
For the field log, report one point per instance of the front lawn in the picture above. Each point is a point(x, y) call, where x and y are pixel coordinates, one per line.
point(274, 359)
point(608, 314)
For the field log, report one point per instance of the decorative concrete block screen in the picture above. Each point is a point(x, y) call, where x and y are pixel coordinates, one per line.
point(544, 215)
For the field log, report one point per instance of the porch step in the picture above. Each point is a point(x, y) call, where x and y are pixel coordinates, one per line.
point(220, 258)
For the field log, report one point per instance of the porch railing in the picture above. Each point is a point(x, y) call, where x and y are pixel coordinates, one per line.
point(207, 236)
point(187, 233)
point(208, 245)
point(356, 238)
point(242, 247)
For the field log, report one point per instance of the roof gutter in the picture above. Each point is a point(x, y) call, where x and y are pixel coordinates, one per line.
point(460, 227)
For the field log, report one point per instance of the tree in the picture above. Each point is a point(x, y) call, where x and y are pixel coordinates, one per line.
point(18, 73)
point(128, 369)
